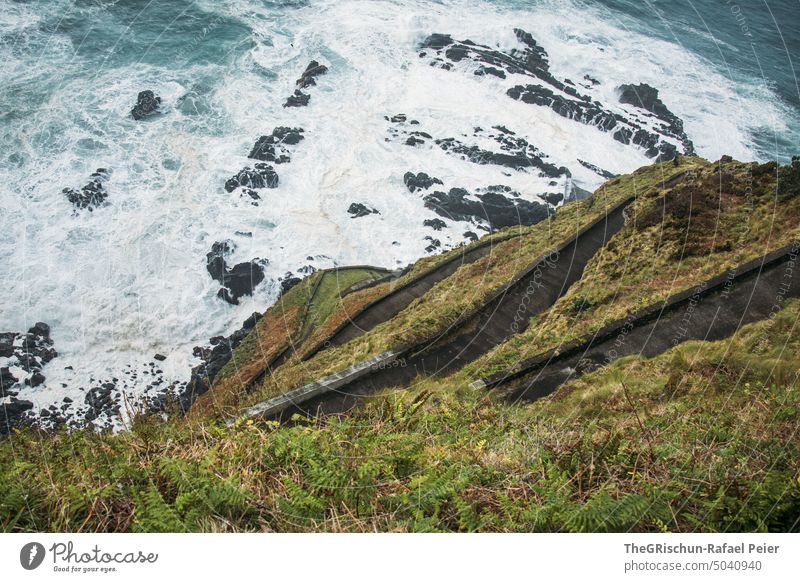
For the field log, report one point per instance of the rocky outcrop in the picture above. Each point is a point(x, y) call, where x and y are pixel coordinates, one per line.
point(260, 176)
point(147, 103)
point(597, 170)
point(562, 97)
point(297, 99)
point(358, 210)
point(646, 97)
point(435, 223)
point(307, 79)
point(214, 358)
point(419, 181)
point(26, 354)
point(93, 194)
point(512, 151)
point(498, 210)
point(237, 281)
point(273, 147)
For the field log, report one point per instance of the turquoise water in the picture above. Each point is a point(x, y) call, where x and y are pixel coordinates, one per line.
point(755, 44)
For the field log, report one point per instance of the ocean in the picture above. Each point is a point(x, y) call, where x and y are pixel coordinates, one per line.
point(128, 279)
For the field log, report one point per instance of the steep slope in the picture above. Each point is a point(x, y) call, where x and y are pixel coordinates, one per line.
point(701, 437)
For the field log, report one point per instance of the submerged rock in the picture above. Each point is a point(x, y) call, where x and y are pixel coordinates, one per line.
point(147, 103)
point(260, 176)
point(357, 210)
point(297, 99)
point(93, 194)
point(308, 78)
point(420, 181)
point(272, 148)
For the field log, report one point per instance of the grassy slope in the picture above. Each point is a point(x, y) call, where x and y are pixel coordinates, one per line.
point(434, 312)
point(718, 217)
point(703, 437)
point(286, 324)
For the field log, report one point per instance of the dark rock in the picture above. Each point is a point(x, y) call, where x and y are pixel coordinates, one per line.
point(588, 113)
point(577, 193)
point(357, 210)
point(298, 99)
point(561, 96)
point(254, 198)
point(597, 170)
point(481, 71)
point(237, 281)
point(437, 41)
point(41, 329)
point(470, 235)
point(93, 194)
point(516, 153)
point(30, 354)
point(272, 148)
point(7, 344)
point(35, 380)
point(243, 278)
point(553, 197)
point(435, 244)
point(313, 70)
point(261, 176)
point(100, 401)
point(289, 281)
point(307, 79)
point(13, 414)
point(147, 103)
point(420, 181)
point(7, 382)
point(434, 223)
point(215, 260)
point(646, 97)
point(160, 357)
point(251, 321)
point(498, 210)
point(503, 129)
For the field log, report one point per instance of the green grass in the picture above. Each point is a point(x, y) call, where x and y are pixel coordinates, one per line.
point(705, 440)
point(328, 296)
point(719, 217)
point(701, 438)
point(471, 284)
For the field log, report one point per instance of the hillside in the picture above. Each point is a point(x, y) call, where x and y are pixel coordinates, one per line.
point(700, 437)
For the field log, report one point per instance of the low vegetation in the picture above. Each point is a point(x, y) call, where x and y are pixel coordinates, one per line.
point(701, 438)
